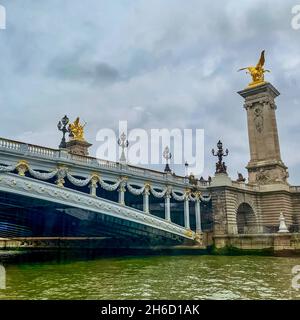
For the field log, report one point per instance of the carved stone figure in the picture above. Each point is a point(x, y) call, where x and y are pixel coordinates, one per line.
point(258, 119)
point(240, 178)
point(263, 177)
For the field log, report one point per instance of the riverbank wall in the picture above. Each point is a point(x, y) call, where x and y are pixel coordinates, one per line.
point(277, 243)
point(287, 243)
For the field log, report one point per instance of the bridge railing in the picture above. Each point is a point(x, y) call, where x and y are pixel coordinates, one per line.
point(244, 186)
point(54, 154)
point(25, 148)
point(49, 153)
point(295, 188)
point(10, 145)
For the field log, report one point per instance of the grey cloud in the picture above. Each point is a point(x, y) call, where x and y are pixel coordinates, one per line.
point(75, 69)
point(175, 60)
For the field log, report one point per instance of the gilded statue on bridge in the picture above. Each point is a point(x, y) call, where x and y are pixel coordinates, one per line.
point(257, 72)
point(76, 130)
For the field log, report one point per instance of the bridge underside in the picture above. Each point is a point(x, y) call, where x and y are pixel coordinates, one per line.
point(23, 216)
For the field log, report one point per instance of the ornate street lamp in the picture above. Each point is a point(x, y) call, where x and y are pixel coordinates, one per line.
point(186, 166)
point(123, 143)
point(62, 126)
point(167, 155)
point(220, 165)
point(186, 171)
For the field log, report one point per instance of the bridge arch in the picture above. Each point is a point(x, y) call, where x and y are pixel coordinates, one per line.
point(246, 219)
point(105, 213)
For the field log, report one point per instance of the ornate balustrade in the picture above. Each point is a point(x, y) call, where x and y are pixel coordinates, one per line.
point(244, 186)
point(295, 188)
point(39, 152)
point(10, 145)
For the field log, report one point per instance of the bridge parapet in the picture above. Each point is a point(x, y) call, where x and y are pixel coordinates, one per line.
point(295, 189)
point(10, 150)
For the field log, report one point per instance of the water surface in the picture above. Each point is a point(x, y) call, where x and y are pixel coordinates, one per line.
point(153, 277)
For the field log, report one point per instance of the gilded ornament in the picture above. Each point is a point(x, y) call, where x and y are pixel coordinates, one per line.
point(257, 72)
point(76, 130)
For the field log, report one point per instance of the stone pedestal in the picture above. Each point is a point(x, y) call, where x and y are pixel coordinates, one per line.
point(221, 213)
point(265, 166)
point(79, 147)
point(221, 180)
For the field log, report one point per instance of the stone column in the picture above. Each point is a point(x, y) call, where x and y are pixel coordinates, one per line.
point(93, 186)
point(122, 190)
point(265, 165)
point(198, 215)
point(146, 199)
point(167, 207)
point(187, 212)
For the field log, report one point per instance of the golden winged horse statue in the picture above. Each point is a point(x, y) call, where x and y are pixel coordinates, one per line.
point(257, 72)
point(76, 130)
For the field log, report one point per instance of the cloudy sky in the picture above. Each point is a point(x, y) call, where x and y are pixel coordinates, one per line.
point(158, 64)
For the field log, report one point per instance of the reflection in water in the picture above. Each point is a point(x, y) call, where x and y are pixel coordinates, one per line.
point(153, 277)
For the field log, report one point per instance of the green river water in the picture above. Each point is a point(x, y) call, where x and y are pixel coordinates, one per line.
point(152, 277)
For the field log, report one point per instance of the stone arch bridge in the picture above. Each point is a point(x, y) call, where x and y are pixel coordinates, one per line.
point(48, 193)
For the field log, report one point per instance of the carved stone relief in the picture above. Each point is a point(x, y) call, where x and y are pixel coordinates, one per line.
point(258, 119)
